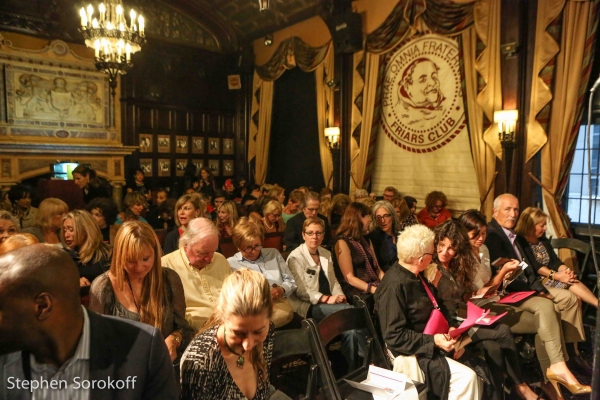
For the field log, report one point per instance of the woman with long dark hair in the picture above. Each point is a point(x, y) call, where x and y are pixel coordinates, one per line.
point(92, 186)
point(354, 260)
point(207, 183)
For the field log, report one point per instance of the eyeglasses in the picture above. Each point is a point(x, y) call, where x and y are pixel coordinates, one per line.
point(250, 249)
point(438, 205)
point(312, 209)
point(276, 215)
point(311, 234)
point(382, 217)
point(427, 254)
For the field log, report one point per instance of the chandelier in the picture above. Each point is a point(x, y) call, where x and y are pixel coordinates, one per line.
point(113, 40)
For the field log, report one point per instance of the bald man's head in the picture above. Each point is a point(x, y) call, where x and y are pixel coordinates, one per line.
point(39, 292)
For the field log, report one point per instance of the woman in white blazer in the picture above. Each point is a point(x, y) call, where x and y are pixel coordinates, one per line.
point(318, 294)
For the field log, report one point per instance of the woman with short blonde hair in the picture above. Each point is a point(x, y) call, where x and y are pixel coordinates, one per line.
point(271, 220)
point(7, 225)
point(236, 340)
point(49, 221)
point(136, 287)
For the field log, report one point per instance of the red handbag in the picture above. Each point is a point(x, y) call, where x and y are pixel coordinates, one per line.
point(437, 322)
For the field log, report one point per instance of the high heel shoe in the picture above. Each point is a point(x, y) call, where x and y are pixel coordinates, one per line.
point(574, 388)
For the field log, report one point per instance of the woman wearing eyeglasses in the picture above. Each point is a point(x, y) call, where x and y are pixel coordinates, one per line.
point(271, 220)
point(435, 211)
point(385, 229)
point(248, 237)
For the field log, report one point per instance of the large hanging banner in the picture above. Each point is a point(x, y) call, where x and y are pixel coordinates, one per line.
point(426, 144)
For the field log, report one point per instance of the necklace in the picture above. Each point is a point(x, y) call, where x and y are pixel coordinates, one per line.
point(132, 295)
point(267, 225)
point(240, 361)
point(316, 253)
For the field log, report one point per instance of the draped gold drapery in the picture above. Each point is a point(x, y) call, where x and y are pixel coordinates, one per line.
point(290, 53)
point(572, 75)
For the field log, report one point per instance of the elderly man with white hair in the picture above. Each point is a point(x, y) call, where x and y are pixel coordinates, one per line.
point(201, 269)
point(404, 306)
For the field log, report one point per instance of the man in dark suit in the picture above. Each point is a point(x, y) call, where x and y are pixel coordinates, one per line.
point(54, 347)
point(292, 236)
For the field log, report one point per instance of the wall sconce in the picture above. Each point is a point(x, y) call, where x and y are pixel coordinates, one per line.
point(507, 121)
point(268, 40)
point(333, 137)
point(264, 5)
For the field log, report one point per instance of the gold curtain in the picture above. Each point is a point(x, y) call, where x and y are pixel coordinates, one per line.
point(260, 126)
point(362, 142)
point(291, 53)
point(569, 91)
point(323, 74)
point(487, 65)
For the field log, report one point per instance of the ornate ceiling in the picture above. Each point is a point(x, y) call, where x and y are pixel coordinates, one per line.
point(216, 25)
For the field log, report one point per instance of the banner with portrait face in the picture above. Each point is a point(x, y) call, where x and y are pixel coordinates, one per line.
point(423, 143)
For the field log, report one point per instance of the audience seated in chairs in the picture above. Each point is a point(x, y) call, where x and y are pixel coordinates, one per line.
point(231, 356)
point(7, 226)
point(404, 308)
point(385, 228)
point(435, 211)
point(19, 197)
point(248, 237)
point(293, 229)
point(82, 239)
point(452, 274)
point(49, 221)
point(188, 207)
point(137, 288)
point(202, 271)
point(105, 211)
point(227, 217)
point(354, 261)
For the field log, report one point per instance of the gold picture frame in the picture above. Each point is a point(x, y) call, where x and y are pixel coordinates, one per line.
point(146, 145)
point(164, 143)
point(181, 144)
point(164, 167)
point(214, 146)
point(198, 145)
point(146, 166)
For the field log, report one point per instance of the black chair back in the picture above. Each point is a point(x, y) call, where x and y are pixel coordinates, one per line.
point(292, 349)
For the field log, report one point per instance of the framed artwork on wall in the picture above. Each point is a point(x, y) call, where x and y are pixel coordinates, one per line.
point(146, 166)
point(198, 164)
point(227, 167)
point(227, 146)
point(198, 145)
point(181, 144)
point(164, 167)
point(213, 165)
point(164, 144)
point(180, 165)
point(146, 143)
point(213, 146)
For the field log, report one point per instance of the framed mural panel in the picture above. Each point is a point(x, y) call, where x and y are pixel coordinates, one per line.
point(198, 145)
point(228, 146)
point(164, 167)
point(181, 143)
point(213, 165)
point(146, 143)
point(213, 146)
point(198, 164)
point(146, 166)
point(164, 144)
point(180, 166)
point(227, 167)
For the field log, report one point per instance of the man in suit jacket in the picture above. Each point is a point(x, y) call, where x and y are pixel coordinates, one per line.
point(503, 242)
point(51, 346)
point(292, 236)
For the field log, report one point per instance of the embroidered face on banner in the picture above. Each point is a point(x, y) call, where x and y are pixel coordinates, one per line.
point(422, 102)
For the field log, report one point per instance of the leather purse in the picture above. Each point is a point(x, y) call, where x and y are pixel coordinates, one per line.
point(437, 322)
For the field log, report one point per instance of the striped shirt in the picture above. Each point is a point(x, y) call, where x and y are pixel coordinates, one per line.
point(69, 382)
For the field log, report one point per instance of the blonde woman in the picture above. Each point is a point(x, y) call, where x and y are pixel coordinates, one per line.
point(278, 193)
point(83, 240)
point(532, 226)
point(49, 221)
point(17, 241)
point(188, 207)
point(271, 220)
point(227, 217)
point(7, 226)
point(137, 288)
point(235, 345)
